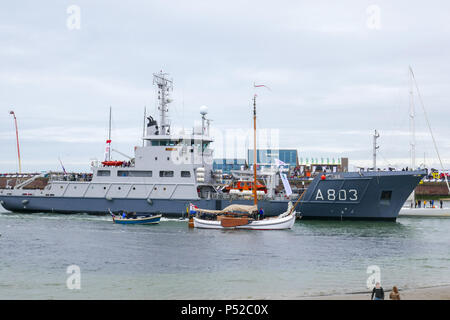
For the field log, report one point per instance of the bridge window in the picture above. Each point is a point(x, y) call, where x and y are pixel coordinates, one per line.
point(133, 173)
point(157, 143)
point(103, 173)
point(185, 174)
point(385, 198)
point(166, 174)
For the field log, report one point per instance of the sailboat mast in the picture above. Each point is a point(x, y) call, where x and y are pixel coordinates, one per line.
point(255, 199)
point(109, 134)
point(17, 140)
point(412, 121)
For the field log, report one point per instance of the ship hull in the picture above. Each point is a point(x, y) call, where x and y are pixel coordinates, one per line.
point(345, 196)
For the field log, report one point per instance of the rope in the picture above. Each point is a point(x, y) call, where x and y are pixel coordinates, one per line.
point(298, 200)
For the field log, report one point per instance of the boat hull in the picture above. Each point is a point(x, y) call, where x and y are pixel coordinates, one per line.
point(353, 197)
point(265, 224)
point(138, 220)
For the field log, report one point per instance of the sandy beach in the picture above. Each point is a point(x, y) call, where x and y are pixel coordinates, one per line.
point(429, 293)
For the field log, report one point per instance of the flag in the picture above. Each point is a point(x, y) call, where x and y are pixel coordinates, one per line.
point(278, 162)
point(286, 185)
point(192, 208)
point(62, 166)
point(261, 85)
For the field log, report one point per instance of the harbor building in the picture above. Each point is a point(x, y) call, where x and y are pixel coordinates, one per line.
point(308, 166)
point(266, 157)
point(226, 165)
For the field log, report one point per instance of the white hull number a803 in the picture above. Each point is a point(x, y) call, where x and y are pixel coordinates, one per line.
point(340, 195)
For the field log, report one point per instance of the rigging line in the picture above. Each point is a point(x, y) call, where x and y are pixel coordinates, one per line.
point(429, 127)
point(384, 158)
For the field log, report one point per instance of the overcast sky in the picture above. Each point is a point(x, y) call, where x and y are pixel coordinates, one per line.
point(337, 70)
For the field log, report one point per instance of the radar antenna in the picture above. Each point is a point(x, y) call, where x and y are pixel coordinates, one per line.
point(164, 86)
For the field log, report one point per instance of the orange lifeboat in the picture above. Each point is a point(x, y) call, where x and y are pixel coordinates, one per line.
point(245, 186)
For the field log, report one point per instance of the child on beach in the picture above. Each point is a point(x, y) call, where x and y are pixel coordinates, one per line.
point(394, 295)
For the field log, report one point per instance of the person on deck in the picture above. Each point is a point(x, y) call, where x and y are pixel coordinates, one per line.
point(261, 214)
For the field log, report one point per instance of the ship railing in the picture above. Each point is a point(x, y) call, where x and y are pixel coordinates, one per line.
point(75, 177)
point(228, 196)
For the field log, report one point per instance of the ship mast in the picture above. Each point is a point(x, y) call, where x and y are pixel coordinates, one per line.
point(144, 126)
point(411, 121)
point(375, 147)
point(109, 134)
point(255, 199)
point(164, 87)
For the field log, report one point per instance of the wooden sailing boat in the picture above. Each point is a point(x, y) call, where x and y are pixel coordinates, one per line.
point(243, 216)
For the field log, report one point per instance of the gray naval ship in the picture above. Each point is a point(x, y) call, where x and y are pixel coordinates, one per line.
point(171, 171)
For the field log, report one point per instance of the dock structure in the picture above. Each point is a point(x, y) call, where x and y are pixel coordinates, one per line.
point(425, 212)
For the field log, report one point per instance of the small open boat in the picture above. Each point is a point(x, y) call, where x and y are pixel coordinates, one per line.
point(133, 219)
point(243, 217)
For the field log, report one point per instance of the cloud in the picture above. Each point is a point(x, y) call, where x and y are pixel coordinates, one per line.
point(333, 80)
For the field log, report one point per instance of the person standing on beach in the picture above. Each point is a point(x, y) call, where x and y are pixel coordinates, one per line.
point(394, 295)
point(378, 292)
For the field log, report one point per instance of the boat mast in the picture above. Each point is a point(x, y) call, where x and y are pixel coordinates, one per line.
point(17, 140)
point(109, 134)
point(412, 121)
point(413, 80)
point(143, 128)
point(255, 199)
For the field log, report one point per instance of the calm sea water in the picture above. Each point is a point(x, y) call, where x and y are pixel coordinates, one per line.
point(171, 261)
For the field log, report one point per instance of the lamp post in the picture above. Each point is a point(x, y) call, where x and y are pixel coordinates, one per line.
point(17, 139)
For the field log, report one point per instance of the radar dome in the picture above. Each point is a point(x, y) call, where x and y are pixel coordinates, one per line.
point(203, 110)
